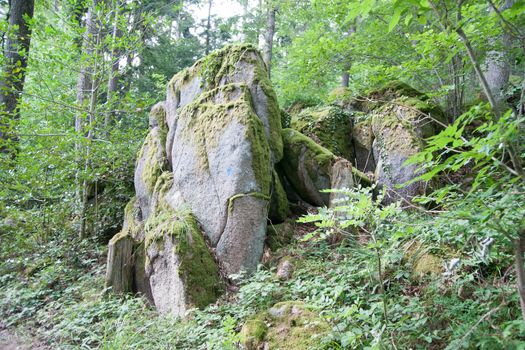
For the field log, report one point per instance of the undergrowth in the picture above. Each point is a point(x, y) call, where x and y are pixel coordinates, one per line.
point(55, 291)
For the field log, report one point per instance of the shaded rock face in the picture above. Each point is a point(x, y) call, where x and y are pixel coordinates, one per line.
point(204, 181)
point(399, 129)
point(329, 126)
point(307, 166)
point(363, 138)
point(342, 179)
point(390, 125)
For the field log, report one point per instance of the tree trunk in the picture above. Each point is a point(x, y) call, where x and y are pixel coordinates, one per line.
point(14, 71)
point(208, 28)
point(345, 79)
point(477, 69)
point(113, 74)
point(84, 121)
point(268, 42)
point(497, 65)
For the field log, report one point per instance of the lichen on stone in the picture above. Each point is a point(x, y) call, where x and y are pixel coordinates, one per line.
point(279, 208)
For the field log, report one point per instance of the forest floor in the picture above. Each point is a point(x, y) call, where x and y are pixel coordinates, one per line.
point(10, 340)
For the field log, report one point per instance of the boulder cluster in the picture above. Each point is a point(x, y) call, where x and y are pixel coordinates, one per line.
point(220, 163)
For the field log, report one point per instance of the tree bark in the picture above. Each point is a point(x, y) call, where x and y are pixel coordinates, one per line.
point(16, 54)
point(208, 28)
point(84, 120)
point(113, 74)
point(268, 42)
point(345, 78)
point(497, 65)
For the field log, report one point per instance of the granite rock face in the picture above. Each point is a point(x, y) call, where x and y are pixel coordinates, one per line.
point(204, 180)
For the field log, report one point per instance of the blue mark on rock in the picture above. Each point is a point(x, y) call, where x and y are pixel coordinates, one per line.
point(229, 171)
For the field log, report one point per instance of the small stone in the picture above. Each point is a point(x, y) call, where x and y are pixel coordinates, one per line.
point(285, 270)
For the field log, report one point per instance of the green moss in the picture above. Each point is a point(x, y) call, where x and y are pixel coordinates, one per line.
point(329, 126)
point(232, 199)
point(423, 262)
point(279, 208)
point(155, 157)
point(252, 333)
point(386, 93)
point(394, 89)
point(427, 264)
point(207, 121)
point(197, 267)
point(294, 141)
point(292, 326)
point(286, 119)
point(218, 66)
point(340, 96)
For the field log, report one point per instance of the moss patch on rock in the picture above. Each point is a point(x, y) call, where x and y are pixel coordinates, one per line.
point(422, 262)
point(290, 325)
point(197, 269)
point(279, 208)
point(329, 126)
point(206, 119)
point(220, 68)
point(307, 165)
point(386, 93)
point(154, 152)
point(253, 332)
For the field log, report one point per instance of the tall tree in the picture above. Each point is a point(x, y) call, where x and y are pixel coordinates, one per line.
point(497, 65)
point(86, 100)
point(16, 54)
point(269, 34)
point(208, 28)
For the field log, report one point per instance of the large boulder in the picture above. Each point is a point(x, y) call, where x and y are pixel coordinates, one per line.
point(204, 182)
point(328, 126)
point(309, 168)
point(400, 128)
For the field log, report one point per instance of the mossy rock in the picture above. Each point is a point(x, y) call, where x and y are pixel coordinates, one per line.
point(252, 333)
point(286, 119)
point(400, 128)
point(232, 64)
point(386, 93)
point(307, 165)
point(181, 269)
point(280, 235)
point(328, 126)
point(340, 96)
point(423, 263)
point(279, 208)
point(363, 138)
point(289, 325)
